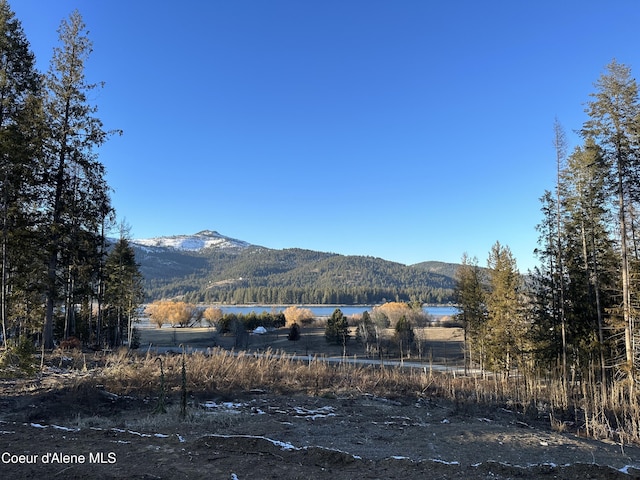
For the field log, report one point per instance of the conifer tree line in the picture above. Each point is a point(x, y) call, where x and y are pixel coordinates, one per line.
point(587, 286)
point(281, 295)
point(59, 278)
point(575, 317)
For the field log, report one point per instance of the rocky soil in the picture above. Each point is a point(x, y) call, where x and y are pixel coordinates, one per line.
point(57, 428)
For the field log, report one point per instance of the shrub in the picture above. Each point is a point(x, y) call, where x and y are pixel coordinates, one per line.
point(71, 343)
point(404, 335)
point(249, 322)
point(19, 357)
point(135, 339)
point(294, 333)
point(337, 329)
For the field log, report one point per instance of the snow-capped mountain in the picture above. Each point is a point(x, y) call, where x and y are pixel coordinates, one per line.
point(197, 241)
point(208, 266)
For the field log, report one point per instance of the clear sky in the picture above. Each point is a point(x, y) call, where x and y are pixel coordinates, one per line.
point(406, 130)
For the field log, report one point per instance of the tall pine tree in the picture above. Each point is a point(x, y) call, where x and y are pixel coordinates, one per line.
point(20, 133)
point(470, 297)
point(124, 293)
point(77, 201)
point(506, 330)
point(590, 257)
point(614, 114)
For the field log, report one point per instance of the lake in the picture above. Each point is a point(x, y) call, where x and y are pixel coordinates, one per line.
point(437, 311)
point(327, 310)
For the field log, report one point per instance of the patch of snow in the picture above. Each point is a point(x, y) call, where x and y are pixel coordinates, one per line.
point(180, 438)
point(277, 443)
point(195, 242)
point(37, 425)
point(626, 468)
point(437, 460)
point(228, 407)
point(357, 457)
point(143, 435)
point(138, 433)
point(5, 432)
point(322, 412)
point(66, 429)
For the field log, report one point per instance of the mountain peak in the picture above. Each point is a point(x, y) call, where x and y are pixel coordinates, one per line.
point(197, 241)
point(208, 233)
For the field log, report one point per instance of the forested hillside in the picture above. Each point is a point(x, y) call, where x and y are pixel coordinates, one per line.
point(262, 275)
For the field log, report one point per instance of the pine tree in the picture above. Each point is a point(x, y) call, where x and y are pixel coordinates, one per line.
point(590, 257)
point(404, 336)
point(614, 114)
point(20, 129)
point(294, 332)
point(78, 197)
point(470, 297)
point(337, 329)
point(124, 293)
point(506, 330)
point(560, 145)
point(546, 285)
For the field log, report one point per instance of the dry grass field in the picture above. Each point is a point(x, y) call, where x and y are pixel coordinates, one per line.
point(218, 413)
point(441, 345)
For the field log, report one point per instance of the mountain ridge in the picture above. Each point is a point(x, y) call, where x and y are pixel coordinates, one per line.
point(210, 267)
point(194, 242)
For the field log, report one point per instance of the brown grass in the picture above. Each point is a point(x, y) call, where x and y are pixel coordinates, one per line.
point(588, 409)
point(230, 373)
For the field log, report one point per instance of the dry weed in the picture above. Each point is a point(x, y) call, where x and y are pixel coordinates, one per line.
point(612, 412)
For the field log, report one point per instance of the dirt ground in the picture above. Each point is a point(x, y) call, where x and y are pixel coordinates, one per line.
point(59, 427)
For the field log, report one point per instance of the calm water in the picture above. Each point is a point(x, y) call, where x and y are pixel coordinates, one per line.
point(318, 310)
point(326, 311)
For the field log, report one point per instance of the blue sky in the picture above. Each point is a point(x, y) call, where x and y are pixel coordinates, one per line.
point(409, 130)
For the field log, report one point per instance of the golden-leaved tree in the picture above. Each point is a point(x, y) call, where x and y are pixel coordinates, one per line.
point(297, 315)
point(178, 314)
point(212, 315)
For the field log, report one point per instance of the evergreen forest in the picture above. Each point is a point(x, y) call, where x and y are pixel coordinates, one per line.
point(573, 320)
point(290, 276)
point(58, 277)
